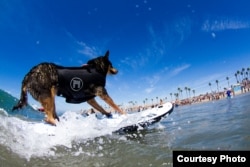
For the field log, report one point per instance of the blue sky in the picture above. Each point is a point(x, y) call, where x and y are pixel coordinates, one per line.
point(157, 45)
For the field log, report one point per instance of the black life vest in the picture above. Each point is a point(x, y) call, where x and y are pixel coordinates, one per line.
point(76, 84)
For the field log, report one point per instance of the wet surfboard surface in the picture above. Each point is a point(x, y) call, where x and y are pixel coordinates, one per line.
point(138, 120)
point(148, 117)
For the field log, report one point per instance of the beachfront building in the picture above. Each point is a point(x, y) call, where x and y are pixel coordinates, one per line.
point(237, 88)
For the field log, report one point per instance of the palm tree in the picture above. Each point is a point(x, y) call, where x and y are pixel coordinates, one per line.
point(157, 100)
point(227, 78)
point(248, 71)
point(131, 103)
point(189, 89)
point(146, 100)
point(236, 77)
point(171, 95)
point(217, 82)
point(238, 73)
point(243, 71)
point(176, 95)
point(135, 102)
point(210, 86)
point(186, 88)
point(180, 91)
point(194, 92)
point(242, 77)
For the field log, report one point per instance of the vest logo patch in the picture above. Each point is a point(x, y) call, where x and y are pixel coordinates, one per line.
point(76, 84)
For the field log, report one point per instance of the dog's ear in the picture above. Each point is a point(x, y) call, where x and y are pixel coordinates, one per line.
point(107, 55)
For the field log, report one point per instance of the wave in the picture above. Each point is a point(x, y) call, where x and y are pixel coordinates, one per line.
point(38, 139)
point(29, 138)
point(25, 133)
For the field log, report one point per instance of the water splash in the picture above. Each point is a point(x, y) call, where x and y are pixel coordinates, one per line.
point(38, 139)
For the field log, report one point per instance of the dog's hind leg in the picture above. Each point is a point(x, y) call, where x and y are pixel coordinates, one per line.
point(48, 109)
point(48, 104)
point(53, 93)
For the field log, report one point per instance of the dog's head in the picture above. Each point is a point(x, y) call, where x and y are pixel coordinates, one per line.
point(103, 65)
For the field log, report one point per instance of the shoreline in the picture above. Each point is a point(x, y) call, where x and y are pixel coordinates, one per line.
point(200, 99)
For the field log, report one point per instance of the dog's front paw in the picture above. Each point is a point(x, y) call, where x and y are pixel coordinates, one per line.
point(109, 115)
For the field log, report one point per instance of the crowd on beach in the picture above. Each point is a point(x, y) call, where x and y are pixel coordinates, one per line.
point(244, 87)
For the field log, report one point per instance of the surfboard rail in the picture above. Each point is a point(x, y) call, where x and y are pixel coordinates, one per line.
point(152, 116)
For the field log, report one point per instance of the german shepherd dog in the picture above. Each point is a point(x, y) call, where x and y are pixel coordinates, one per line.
point(76, 84)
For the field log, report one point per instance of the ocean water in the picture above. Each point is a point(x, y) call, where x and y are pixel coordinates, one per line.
point(25, 140)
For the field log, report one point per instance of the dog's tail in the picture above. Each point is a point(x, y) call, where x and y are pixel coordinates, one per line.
point(23, 99)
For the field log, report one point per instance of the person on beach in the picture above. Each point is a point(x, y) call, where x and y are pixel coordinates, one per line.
point(228, 92)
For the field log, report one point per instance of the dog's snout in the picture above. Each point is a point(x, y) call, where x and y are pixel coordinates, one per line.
point(113, 71)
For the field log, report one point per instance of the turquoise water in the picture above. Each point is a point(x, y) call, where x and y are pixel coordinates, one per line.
point(216, 125)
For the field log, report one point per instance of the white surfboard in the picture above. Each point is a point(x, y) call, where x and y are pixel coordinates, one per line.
point(139, 120)
point(149, 117)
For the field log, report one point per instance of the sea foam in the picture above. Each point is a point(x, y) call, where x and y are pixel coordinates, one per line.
point(39, 139)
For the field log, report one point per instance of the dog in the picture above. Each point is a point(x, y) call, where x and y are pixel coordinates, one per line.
point(77, 84)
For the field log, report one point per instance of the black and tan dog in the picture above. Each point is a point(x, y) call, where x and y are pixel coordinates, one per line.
point(76, 84)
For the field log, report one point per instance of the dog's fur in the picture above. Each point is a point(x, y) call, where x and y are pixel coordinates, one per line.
point(42, 82)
